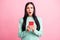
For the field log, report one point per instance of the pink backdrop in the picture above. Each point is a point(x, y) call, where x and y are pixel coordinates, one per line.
point(12, 10)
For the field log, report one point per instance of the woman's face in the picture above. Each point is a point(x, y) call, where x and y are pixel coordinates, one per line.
point(30, 9)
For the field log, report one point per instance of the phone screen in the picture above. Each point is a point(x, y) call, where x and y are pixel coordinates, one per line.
point(31, 23)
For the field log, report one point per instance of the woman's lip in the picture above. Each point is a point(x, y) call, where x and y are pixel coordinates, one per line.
point(29, 12)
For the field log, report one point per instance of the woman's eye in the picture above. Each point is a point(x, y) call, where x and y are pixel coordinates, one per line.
point(27, 7)
point(31, 7)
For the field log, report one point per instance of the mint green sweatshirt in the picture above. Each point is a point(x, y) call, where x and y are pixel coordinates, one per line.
point(24, 35)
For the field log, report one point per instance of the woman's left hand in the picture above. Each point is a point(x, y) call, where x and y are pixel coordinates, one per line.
point(32, 27)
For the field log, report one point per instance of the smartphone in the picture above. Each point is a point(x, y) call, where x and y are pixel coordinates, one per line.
point(31, 23)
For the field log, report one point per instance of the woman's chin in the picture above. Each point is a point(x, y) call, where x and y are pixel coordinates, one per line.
point(30, 15)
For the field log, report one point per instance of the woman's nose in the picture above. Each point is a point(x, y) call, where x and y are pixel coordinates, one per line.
point(29, 9)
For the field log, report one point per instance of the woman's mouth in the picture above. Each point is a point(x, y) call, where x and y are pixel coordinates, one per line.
point(29, 12)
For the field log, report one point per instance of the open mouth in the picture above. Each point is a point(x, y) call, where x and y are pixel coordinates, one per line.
point(29, 12)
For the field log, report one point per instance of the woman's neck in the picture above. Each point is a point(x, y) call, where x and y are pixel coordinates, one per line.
point(30, 16)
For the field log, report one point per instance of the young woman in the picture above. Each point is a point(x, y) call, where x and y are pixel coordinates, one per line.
point(30, 26)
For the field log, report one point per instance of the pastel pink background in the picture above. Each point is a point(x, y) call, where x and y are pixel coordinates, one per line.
point(12, 10)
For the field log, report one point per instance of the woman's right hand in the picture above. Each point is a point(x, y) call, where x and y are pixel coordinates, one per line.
point(28, 29)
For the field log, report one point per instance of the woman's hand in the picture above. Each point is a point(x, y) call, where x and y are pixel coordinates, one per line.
point(30, 27)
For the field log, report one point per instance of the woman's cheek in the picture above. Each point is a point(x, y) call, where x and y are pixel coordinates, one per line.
point(32, 10)
point(27, 10)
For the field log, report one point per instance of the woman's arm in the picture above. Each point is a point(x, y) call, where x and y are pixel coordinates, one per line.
point(20, 33)
point(40, 32)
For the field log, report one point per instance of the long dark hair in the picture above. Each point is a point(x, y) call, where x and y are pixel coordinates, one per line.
point(34, 17)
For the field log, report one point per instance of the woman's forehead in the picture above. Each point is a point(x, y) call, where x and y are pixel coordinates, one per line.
point(30, 5)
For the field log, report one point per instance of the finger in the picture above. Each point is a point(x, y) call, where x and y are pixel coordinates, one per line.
point(28, 29)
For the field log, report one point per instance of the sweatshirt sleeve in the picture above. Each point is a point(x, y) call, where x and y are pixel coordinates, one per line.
point(20, 33)
point(40, 32)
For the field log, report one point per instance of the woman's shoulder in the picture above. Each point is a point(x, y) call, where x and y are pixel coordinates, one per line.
point(21, 19)
point(39, 18)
